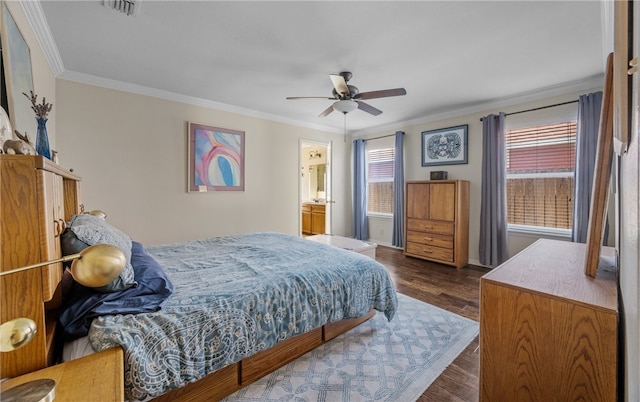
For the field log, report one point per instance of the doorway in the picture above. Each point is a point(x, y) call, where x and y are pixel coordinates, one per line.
point(314, 200)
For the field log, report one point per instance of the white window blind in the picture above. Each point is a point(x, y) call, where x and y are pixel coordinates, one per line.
point(380, 180)
point(540, 166)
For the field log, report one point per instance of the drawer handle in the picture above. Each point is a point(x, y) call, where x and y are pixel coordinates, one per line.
point(58, 228)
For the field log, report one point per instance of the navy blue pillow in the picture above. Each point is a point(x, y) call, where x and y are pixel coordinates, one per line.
point(84, 304)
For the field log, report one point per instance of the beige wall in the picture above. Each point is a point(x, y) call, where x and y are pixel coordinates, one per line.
point(131, 151)
point(380, 229)
point(44, 82)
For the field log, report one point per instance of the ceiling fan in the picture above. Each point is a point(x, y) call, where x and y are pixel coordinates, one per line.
point(349, 98)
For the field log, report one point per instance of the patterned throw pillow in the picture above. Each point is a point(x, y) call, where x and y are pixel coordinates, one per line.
point(88, 230)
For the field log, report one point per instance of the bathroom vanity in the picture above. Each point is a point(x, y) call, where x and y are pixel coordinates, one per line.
point(313, 218)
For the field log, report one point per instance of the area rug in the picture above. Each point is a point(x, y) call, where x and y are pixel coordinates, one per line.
point(377, 361)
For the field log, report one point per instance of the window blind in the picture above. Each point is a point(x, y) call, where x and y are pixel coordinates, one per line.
point(380, 180)
point(540, 165)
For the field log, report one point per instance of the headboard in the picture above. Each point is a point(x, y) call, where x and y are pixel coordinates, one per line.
point(37, 198)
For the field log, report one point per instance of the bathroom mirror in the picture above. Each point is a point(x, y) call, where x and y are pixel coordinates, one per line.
point(317, 179)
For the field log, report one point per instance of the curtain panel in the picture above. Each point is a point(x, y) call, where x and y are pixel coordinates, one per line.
point(493, 245)
point(397, 238)
point(589, 108)
point(360, 222)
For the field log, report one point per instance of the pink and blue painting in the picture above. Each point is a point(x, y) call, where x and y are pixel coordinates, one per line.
point(216, 159)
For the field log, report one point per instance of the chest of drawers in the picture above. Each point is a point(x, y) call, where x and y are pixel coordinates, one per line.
point(437, 221)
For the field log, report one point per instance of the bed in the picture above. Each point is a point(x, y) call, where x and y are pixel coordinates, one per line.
point(40, 199)
point(207, 317)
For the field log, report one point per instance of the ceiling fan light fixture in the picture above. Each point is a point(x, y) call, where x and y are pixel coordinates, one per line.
point(345, 106)
point(347, 98)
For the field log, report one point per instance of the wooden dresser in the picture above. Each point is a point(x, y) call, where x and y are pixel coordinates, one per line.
point(313, 218)
point(37, 198)
point(437, 221)
point(548, 332)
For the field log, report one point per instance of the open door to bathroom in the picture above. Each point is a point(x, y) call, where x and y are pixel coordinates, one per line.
point(315, 199)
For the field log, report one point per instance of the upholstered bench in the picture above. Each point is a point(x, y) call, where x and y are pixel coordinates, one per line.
point(347, 243)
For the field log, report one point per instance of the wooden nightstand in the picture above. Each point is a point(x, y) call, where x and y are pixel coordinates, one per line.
point(95, 378)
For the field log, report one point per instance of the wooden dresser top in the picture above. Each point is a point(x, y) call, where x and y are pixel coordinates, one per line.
point(556, 268)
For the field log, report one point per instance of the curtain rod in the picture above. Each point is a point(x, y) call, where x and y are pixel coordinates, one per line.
point(539, 108)
point(382, 136)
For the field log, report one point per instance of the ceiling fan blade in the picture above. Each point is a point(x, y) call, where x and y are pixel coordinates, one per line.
point(309, 97)
point(384, 93)
point(339, 84)
point(368, 108)
point(326, 111)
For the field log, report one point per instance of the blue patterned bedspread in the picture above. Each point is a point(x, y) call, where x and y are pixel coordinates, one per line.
point(233, 297)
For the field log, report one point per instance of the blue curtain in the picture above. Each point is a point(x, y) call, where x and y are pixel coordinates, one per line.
point(360, 222)
point(397, 238)
point(493, 204)
point(589, 107)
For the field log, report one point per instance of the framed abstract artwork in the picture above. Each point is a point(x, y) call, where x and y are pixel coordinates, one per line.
point(216, 159)
point(446, 146)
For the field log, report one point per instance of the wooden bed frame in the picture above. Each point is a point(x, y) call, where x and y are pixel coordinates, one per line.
point(229, 379)
point(37, 198)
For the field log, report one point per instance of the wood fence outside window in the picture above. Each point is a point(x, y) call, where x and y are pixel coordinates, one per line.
point(544, 201)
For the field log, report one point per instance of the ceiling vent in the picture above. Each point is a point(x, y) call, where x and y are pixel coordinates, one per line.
point(128, 7)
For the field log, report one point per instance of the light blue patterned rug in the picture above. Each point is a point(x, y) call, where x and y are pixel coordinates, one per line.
point(377, 361)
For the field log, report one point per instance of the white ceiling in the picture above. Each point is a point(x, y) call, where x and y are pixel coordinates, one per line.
point(249, 56)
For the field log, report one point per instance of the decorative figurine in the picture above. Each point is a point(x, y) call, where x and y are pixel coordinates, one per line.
point(21, 146)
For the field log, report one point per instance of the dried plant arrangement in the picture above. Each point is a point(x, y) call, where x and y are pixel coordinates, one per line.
point(43, 109)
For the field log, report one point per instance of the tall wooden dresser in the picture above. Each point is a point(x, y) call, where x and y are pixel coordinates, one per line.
point(37, 198)
point(548, 332)
point(437, 221)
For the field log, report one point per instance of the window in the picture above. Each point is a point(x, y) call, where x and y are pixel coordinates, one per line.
point(540, 164)
point(380, 181)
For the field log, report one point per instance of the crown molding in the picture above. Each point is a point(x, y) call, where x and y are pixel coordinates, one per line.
point(171, 96)
point(594, 83)
point(35, 16)
point(37, 21)
point(590, 84)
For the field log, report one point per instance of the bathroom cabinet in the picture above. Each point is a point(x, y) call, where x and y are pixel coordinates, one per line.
point(313, 218)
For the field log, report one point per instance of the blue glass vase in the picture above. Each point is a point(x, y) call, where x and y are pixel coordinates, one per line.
point(42, 138)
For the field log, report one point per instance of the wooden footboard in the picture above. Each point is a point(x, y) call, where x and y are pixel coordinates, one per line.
point(235, 376)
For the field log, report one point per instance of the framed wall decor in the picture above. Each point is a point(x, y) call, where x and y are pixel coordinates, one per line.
point(16, 60)
point(216, 159)
point(446, 146)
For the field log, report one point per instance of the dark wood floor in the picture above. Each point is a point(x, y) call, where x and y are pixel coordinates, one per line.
point(455, 290)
